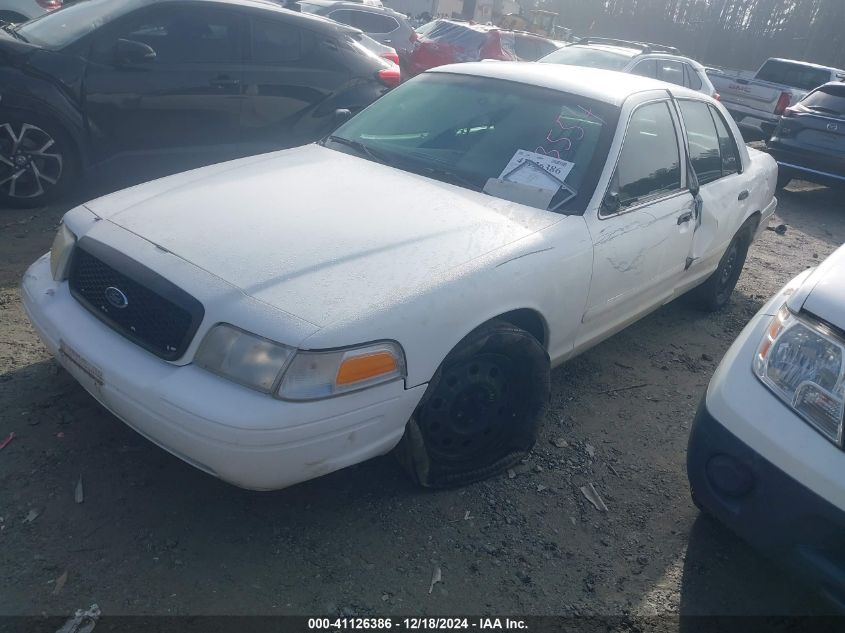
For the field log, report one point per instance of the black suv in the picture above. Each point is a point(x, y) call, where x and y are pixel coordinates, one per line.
point(809, 142)
point(149, 87)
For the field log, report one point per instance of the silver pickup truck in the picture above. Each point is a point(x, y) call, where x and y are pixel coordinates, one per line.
point(756, 100)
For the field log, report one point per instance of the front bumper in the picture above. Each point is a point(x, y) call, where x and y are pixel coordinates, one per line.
point(239, 435)
point(766, 474)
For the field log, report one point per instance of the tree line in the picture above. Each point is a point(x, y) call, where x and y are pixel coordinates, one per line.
point(735, 33)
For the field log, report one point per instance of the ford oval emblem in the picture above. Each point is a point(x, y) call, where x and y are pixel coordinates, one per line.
point(116, 297)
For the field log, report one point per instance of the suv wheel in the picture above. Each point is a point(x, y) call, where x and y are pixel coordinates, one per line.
point(37, 161)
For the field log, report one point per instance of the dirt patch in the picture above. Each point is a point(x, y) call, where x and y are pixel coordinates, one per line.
point(155, 536)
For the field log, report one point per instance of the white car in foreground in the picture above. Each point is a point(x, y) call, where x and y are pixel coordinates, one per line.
point(410, 281)
point(766, 449)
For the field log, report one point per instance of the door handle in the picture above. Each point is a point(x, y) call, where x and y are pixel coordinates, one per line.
point(686, 217)
point(743, 195)
point(223, 82)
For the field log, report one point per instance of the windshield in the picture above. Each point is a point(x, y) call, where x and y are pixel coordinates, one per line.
point(828, 100)
point(489, 135)
point(793, 75)
point(589, 57)
point(58, 29)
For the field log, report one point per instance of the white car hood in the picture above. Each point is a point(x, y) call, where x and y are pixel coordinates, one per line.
point(316, 232)
point(823, 292)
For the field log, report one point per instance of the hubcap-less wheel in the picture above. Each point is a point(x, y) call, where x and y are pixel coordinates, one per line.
point(29, 161)
point(469, 413)
point(728, 274)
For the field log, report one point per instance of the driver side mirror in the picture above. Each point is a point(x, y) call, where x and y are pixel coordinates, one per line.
point(341, 116)
point(611, 203)
point(129, 52)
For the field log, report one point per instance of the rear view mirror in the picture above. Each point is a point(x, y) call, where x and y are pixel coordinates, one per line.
point(132, 52)
point(341, 116)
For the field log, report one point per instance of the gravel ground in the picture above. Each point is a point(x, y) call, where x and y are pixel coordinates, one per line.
point(155, 536)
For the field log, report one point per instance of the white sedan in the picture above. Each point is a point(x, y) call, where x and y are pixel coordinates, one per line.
point(766, 449)
point(409, 282)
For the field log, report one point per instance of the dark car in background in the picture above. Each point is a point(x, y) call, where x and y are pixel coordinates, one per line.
point(809, 141)
point(448, 41)
point(384, 25)
point(149, 87)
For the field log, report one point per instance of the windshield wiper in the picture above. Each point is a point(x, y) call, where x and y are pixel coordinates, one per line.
point(12, 29)
point(359, 147)
point(441, 173)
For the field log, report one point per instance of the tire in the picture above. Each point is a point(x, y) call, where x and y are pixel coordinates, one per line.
point(783, 181)
point(482, 410)
point(715, 293)
point(38, 161)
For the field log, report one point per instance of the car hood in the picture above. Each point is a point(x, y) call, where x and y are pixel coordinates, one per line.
point(316, 232)
point(823, 292)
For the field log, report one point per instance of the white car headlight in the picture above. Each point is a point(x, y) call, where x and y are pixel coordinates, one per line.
point(61, 251)
point(245, 358)
point(271, 367)
point(314, 375)
point(802, 361)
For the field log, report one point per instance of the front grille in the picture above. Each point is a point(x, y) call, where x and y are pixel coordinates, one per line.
point(134, 301)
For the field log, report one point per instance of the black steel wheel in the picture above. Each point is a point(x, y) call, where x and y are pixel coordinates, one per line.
point(482, 410)
point(716, 291)
point(37, 162)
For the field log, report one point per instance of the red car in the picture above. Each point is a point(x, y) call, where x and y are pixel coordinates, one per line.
point(447, 42)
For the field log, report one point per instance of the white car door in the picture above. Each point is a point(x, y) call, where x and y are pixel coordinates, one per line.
point(723, 191)
point(642, 234)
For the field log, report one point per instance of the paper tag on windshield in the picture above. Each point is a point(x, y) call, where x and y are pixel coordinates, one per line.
point(549, 175)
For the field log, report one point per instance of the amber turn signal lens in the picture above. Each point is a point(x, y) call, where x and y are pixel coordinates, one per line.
point(364, 367)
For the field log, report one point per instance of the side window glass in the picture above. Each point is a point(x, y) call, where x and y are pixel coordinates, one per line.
point(727, 145)
point(650, 163)
point(693, 80)
point(178, 36)
point(647, 68)
point(374, 23)
point(510, 44)
point(703, 142)
point(275, 42)
point(345, 17)
point(670, 71)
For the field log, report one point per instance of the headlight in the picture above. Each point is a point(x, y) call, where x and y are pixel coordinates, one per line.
point(314, 375)
point(801, 361)
point(248, 359)
point(61, 251)
point(271, 367)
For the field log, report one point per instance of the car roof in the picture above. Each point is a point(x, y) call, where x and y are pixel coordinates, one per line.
point(351, 4)
point(601, 85)
point(316, 21)
point(621, 50)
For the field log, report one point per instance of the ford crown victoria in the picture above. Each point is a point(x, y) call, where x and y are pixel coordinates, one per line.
point(409, 282)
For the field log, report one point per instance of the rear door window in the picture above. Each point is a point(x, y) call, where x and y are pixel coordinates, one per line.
point(731, 163)
point(650, 162)
point(275, 42)
point(375, 23)
point(670, 71)
point(526, 48)
point(793, 75)
point(703, 141)
point(647, 68)
point(693, 80)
